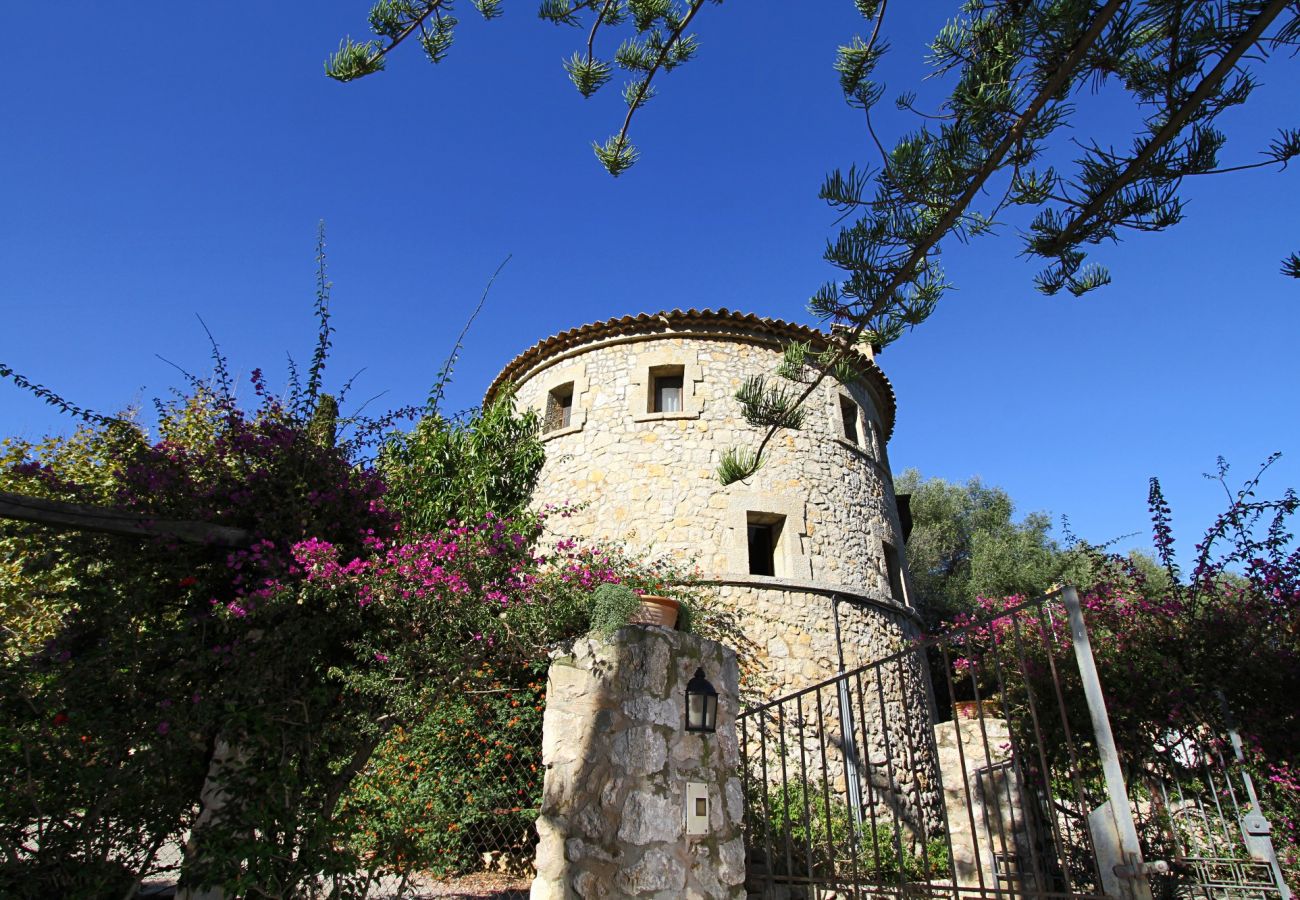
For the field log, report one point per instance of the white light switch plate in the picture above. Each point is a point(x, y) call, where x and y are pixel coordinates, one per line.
point(697, 807)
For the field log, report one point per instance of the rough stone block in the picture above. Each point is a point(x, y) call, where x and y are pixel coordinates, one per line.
point(648, 818)
point(639, 751)
point(657, 870)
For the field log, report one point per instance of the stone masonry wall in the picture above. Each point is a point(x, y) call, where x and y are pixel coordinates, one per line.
point(983, 789)
point(650, 480)
point(618, 760)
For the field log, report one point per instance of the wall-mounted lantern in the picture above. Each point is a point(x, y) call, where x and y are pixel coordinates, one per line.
point(701, 705)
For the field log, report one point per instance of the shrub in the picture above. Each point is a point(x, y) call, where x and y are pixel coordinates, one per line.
point(806, 822)
point(612, 607)
point(1174, 654)
point(463, 780)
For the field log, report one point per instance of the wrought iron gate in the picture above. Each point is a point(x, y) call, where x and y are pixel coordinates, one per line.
point(981, 764)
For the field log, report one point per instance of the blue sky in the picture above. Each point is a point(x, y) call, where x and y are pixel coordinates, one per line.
point(163, 161)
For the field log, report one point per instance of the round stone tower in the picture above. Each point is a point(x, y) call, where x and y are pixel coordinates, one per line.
point(637, 412)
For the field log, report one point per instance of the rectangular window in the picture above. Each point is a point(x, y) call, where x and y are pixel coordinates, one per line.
point(667, 389)
point(764, 543)
point(895, 569)
point(849, 415)
point(559, 407)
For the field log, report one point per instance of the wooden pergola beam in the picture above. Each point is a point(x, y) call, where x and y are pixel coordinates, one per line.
point(82, 517)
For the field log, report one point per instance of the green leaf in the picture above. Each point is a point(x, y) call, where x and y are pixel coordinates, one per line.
point(561, 12)
point(636, 93)
point(794, 360)
point(765, 407)
point(389, 18)
point(634, 55)
point(646, 12)
point(437, 41)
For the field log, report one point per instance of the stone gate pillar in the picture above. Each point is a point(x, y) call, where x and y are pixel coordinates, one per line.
point(620, 768)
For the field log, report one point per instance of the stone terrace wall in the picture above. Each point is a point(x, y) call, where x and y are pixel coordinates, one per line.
point(791, 630)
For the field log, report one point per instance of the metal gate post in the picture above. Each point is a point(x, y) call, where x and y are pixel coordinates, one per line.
point(1130, 877)
point(850, 749)
point(1256, 830)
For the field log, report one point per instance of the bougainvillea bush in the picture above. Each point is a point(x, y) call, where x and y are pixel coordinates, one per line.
point(459, 785)
point(1179, 657)
point(125, 658)
point(153, 690)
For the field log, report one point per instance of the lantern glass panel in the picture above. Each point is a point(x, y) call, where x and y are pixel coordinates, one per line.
point(696, 713)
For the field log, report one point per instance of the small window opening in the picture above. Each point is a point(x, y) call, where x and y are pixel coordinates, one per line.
point(895, 569)
point(559, 407)
point(666, 389)
point(849, 415)
point(764, 543)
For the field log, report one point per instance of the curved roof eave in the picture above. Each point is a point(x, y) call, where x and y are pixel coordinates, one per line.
point(669, 322)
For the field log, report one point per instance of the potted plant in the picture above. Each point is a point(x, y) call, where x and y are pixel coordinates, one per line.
point(616, 605)
point(657, 610)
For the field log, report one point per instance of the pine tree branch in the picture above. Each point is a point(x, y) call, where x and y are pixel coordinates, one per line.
point(595, 26)
point(994, 160)
point(1243, 167)
point(1172, 127)
point(435, 7)
point(991, 164)
point(644, 87)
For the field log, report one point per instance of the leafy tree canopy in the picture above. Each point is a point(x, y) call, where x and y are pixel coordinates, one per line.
point(966, 544)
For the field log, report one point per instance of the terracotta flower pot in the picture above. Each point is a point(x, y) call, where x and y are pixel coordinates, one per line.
point(989, 708)
point(656, 611)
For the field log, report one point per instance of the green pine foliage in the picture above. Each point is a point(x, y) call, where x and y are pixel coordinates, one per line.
point(765, 406)
point(1013, 73)
point(738, 464)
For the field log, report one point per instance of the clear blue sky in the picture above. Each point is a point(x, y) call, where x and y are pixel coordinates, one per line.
point(163, 160)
